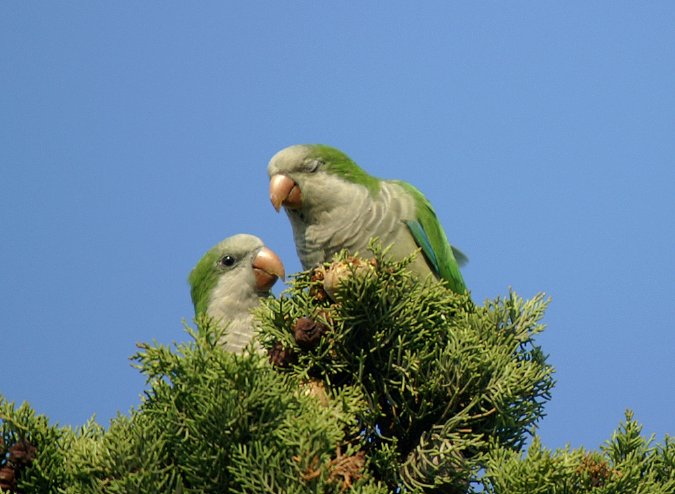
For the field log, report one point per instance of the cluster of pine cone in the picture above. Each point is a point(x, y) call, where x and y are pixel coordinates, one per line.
point(307, 332)
point(15, 458)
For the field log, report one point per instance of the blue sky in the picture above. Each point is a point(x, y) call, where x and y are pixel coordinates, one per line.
point(134, 136)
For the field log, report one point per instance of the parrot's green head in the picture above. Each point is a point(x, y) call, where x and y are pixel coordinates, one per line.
point(307, 176)
point(236, 270)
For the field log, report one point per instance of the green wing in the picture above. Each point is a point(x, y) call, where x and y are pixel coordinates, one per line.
point(430, 237)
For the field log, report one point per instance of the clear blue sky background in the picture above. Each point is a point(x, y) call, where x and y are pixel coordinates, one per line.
point(135, 135)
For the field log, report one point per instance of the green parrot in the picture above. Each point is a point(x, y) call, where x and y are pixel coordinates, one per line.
point(230, 280)
point(333, 204)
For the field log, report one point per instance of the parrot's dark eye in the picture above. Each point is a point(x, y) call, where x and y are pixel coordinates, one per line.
point(228, 261)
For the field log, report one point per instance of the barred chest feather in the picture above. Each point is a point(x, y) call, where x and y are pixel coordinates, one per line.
point(322, 230)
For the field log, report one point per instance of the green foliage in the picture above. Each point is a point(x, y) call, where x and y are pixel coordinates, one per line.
point(439, 374)
point(627, 464)
point(45, 467)
point(211, 421)
point(378, 384)
point(218, 422)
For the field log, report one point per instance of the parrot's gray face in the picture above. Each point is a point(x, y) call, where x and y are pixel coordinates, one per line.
point(249, 263)
point(292, 172)
point(233, 275)
point(301, 184)
point(229, 281)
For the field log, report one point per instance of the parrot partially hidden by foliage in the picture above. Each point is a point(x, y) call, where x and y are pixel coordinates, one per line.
point(230, 280)
point(333, 204)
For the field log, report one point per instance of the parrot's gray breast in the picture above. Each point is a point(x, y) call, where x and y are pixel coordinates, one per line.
point(351, 225)
point(232, 308)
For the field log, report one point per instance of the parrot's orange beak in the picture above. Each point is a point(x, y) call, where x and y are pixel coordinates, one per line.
point(284, 192)
point(267, 268)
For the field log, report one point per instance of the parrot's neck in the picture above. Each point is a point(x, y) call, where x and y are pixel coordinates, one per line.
point(232, 308)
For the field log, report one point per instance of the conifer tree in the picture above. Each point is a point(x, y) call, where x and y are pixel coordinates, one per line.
point(372, 382)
